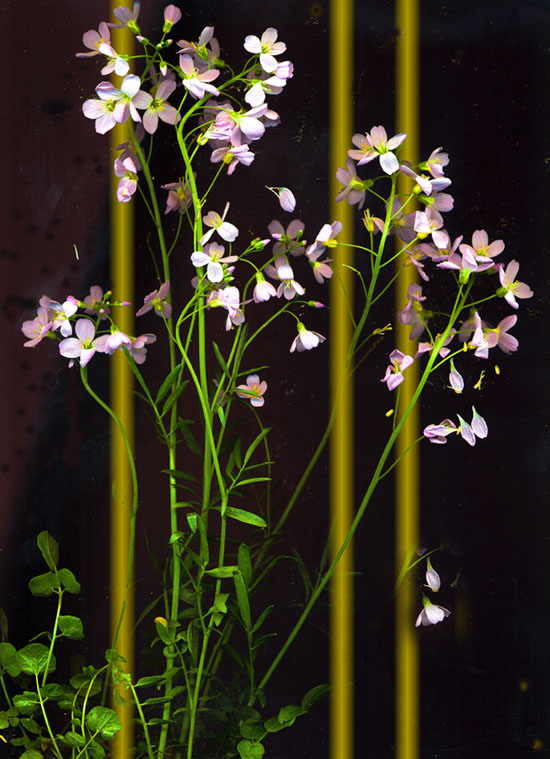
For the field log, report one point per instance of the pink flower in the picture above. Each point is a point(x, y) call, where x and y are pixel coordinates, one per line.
point(172, 15)
point(37, 328)
point(394, 373)
point(114, 105)
point(499, 335)
point(413, 313)
point(282, 270)
point(212, 257)
point(375, 144)
point(95, 303)
point(228, 298)
point(354, 189)
point(253, 390)
point(137, 350)
point(266, 48)
point(430, 222)
point(83, 346)
point(233, 155)
point(431, 614)
point(95, 40)
point(179, 196)
point(480, 248)
point(195, 82)
point(125, 167)
point(436, 162)
point(263, 290)
point(158, 108)
point(306, 340)
point(226, 231)
point(60, 313)
point(321, 269)
point(157, 301)
point(510, 288)
point(127, 17)
point(289, 240)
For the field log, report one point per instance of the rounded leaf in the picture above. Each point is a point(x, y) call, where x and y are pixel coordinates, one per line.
point(33, 658)
point(104, 721)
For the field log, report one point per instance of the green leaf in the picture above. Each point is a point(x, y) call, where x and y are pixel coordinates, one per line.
point(189, 438)
point(168, 382)
point(74, 740)
point(8, 659)
point(288, 714)
point(222, 572)
point(173, 398)
point(245, 516)
point(251, 480)
point(162, 632)
point(49, 549)
point(249, 750)
point(151, 680)
point(32, 753)
point(242, 600)
point(314, 695)
point(31, 725)
point(68, 580)
point(220, 359)
point(245, 565)
point(26, 702)
point(43, 585)
point(252, 729)
point(192, 521)
point(261, 619)
point(71, 627)
point(53, 691)
point(96, 750)
point(33, 658)
point(103, 721)
point(255, 443)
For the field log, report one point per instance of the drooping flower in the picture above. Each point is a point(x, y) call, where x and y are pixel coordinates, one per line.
point(126, 169)
point(435, 163)
point(157, 301)
point(394, 373)
point(431, 614)
point(433, 581)
point(137, 350)
point(306, 340)
point(510, 288)
point(253, 390)
point(266, 48)
point(263, 289)
point(413, 313)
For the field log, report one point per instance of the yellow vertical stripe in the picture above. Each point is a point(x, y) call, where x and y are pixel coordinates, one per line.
point(122, 282)
point(341, 445)
point(407, 714)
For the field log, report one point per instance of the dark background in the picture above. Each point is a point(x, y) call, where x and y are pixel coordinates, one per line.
point(484, 98)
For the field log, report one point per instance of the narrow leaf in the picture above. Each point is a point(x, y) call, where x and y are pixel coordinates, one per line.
point(242, 600)
point(168, 382)
point(255, 443)
point(245, 516)
point(245, 565)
